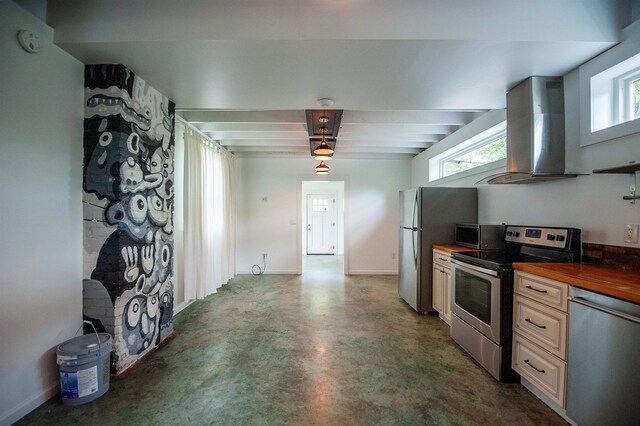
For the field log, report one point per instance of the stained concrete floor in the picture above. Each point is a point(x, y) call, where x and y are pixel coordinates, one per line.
point(320, 348)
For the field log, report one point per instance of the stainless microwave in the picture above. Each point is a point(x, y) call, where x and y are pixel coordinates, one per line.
point(481, 237)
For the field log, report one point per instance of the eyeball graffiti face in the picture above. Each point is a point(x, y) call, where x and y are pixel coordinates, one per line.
point(131, 216)
point(161, 162)
point(109, 150)
point(140, 322)
point(158, 214)
point(152, 104)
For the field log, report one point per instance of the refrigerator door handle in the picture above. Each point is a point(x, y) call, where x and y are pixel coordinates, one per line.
point(414, 238)
point(414, 225)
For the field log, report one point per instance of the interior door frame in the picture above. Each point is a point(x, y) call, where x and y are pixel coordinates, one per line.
point(345, 215)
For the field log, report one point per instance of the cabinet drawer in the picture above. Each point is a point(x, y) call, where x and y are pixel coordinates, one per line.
point(543, 370)
point(549, 292)
point(442, 258)
point(542, 325)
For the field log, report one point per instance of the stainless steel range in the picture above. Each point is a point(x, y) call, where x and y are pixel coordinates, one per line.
point(482, 294)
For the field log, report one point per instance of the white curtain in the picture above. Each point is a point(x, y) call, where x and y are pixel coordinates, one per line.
point(209, 216)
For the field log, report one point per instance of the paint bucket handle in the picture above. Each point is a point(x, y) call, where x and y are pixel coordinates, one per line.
point(94, 329)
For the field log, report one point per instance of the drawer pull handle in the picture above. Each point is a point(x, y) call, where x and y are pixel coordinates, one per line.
point(526, 361)
point(538, 290)
point(444, 260)
point(533, 323)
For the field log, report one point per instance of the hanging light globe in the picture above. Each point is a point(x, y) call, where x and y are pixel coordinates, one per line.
point(323, 157)
point(322, 169)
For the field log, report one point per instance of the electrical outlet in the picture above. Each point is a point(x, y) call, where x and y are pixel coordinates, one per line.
point(631, 233)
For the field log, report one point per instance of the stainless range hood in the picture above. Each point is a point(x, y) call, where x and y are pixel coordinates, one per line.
point(535, 133)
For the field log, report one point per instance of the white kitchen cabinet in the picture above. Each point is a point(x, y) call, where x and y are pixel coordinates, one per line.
point(442, 284)
point(540, 319)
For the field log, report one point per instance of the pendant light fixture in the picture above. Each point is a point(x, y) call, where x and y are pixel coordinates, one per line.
point(323, 157)
point(322, 169)
point(323, 148)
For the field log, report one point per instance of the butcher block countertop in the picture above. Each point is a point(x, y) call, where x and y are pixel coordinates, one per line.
point(450, 248)
point(602, 279)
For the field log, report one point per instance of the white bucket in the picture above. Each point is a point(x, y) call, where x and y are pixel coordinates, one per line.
point(84, 367)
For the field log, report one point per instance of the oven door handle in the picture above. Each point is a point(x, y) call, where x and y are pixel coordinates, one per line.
point(462, 265)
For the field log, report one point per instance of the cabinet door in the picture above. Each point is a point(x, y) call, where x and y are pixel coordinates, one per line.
point(542, 325)
point(551, 293)
point(438, 288)
point(545, 371)
point(442, 258)
point(446, 294)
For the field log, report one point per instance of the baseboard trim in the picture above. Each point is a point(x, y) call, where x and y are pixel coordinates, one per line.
point(15, 414)
point(181, 307)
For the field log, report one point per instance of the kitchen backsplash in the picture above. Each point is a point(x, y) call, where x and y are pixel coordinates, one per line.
point(627, 258)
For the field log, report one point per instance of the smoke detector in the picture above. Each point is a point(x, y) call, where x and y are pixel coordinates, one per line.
point(325, 102)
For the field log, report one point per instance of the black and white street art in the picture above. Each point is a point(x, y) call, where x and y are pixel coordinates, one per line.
point(128, 207)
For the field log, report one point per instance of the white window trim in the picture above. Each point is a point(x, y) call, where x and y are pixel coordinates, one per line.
point(436, 163)
point(607, 68)
point(624, 93)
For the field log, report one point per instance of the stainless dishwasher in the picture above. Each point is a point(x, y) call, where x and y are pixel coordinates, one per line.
point(604, 360)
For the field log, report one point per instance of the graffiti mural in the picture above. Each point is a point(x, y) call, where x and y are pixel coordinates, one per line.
point(128, 207)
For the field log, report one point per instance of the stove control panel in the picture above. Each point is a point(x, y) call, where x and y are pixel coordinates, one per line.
point(538, 236)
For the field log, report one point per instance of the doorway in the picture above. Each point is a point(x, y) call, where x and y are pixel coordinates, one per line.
point(322, 226)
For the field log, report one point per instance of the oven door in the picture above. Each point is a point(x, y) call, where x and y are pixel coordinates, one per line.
point(476, 298)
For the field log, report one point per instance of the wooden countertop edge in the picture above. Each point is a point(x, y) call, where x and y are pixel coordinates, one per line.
point(450, 248)
point(602, 279)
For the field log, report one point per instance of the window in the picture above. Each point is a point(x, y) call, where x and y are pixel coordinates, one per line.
point(320, 205)
point(614, 94)
point(629, 96)
point(610, 92)
point(485, 152)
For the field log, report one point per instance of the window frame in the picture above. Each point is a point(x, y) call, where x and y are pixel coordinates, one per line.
point(436, 163)
point(599, 86)
point(473, 147)
point(625, 95)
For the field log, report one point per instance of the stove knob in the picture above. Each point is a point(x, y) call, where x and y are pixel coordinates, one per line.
point(551, 237)
point(516, 234)
point(559, 237)
point(509, 233)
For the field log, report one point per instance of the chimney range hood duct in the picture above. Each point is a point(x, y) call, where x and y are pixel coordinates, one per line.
point(535, 133)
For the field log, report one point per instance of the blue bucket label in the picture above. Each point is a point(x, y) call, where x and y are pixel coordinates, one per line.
point(79, 384)
point(69, 384)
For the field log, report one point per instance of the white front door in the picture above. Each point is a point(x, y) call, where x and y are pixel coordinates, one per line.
point(321, 224)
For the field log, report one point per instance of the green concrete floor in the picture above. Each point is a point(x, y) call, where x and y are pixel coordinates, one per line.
point(320, 348)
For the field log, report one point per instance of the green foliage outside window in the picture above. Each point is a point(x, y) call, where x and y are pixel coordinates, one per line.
point(493, 151)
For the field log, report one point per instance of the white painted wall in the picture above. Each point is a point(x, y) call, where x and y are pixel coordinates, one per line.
point(316, 187)
point(371, 212)
point(40, 213)
point(591, 202)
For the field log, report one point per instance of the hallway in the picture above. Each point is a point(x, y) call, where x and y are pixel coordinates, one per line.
point(320, 348)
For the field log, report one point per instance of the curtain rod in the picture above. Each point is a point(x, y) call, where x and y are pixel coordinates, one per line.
point(208, 138)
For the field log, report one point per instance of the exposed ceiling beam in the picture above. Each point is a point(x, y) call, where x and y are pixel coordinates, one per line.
point(238, 116)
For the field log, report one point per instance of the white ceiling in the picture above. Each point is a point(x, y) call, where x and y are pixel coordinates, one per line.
point(407, 73)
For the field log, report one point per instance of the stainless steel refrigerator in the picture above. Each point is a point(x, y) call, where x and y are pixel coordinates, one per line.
point(428, 216)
